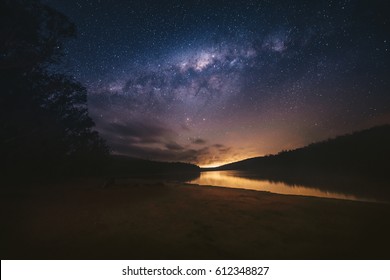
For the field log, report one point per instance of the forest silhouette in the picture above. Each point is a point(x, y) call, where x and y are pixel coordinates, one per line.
point(355, 163)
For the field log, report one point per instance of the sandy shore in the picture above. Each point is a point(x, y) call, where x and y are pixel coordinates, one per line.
point(160, 220)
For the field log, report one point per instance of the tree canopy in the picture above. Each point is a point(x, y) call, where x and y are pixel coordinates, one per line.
point(44, 122)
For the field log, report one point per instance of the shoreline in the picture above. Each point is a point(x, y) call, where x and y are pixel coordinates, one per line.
point(163, 220)
point(296, 195)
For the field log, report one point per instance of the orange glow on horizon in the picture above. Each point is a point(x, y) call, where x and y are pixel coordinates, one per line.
point(230, 160)
point(213, 165)
point(218, 164)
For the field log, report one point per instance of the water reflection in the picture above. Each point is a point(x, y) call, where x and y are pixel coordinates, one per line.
point(236, 179)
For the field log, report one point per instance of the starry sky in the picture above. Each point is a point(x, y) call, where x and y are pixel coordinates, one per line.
point(211, 82)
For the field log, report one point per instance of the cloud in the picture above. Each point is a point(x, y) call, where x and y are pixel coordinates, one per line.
point(153, 153)
point(198, 141)
point(219, 146)
point(222, 148)
point(136, 132)
point(170, 153)
point(174, 146)
point(214, 154)
point(154, 141)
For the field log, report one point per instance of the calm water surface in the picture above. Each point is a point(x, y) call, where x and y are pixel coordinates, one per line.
point(233, 179)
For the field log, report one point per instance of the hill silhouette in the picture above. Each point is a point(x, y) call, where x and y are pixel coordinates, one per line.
point(127, 167)
point(356, 163)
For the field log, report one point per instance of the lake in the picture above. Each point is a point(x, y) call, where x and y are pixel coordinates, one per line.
point(239, 180)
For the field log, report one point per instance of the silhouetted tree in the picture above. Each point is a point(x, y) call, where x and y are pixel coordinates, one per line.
point(44, 122)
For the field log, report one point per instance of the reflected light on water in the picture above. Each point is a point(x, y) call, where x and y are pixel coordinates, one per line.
point(231, 179)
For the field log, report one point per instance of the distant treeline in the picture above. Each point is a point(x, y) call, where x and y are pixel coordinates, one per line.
point(353, 163)
point(125, 167)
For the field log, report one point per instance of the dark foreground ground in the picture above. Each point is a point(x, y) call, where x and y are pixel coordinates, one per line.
point(156, 220)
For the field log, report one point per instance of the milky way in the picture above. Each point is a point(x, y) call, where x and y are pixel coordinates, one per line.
point(209, 82)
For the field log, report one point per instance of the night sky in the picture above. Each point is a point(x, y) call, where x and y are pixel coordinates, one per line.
point(211, 82)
